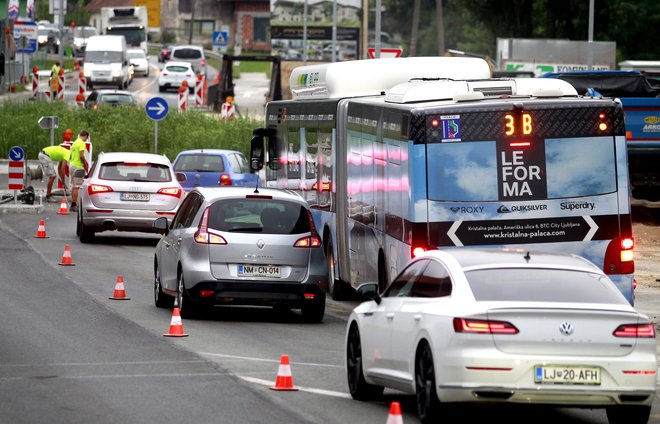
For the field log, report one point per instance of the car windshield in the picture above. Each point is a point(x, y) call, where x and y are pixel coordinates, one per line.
point(121, 99)
point(136, 55)
point(137, 172)
point(187, 54)
point(199, 163)
point(542, 285)
point(259, 216)
point(177, 68)
point(102, 57)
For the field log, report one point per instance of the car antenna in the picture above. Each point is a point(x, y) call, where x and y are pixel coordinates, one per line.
point(527, 256)
point(256, 189)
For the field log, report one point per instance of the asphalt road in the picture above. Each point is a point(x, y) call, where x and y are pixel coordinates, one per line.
point(72, 355)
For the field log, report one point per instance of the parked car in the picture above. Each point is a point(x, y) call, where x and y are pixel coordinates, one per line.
point(237, 245)
point(126, 191)
point(109, 97)
point(173, 75)
point(48, 37)
point(80, 36)
point(164, 54)
point(138, 58)
point(503, 326)
point(191, 54)
point(214, 167)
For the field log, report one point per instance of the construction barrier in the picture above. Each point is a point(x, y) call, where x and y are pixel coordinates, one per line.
point(60, 87)
point(228, 110)
point(35, 82)
point(183, 96)
point(199, 91)
point(82, 84)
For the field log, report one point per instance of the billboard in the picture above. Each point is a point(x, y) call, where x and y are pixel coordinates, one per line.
point(287, 29)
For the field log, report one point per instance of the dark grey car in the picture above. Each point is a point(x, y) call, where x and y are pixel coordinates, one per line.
point(238, 245)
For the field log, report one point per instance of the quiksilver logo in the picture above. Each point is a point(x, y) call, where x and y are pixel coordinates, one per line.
point(503, 209)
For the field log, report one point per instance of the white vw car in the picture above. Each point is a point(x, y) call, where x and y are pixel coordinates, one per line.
point(469, 325)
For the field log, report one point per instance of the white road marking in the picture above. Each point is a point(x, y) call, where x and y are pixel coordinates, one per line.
point(276, 361)
point(300, 388)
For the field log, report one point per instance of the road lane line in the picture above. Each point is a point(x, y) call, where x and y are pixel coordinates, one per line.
point(276, 361)
point(103, 376)
point(300, 388)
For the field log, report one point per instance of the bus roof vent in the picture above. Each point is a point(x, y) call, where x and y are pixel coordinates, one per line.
point(541, 87)
point(373, 77)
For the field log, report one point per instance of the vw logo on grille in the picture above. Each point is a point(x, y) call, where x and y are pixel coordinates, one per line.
point(261, 244)
point(566, 328)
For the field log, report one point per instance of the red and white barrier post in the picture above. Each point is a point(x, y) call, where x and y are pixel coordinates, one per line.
point(60, 88)
point(35, 82)
point(183, 96)
point(82, 83)
point(199, 91)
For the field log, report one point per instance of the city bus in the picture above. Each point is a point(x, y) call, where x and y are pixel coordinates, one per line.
point(397, 156)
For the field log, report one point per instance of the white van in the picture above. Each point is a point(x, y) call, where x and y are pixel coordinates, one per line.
point(106, 61)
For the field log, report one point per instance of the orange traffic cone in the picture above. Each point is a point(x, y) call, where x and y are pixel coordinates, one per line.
point(395, 414)
point(120, 291)
point(64, 208)
point(41, 231)
point(66, 257)
point(176, 326)
point(284, 380)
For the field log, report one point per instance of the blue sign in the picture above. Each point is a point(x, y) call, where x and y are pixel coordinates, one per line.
point(157, 108)
point(220, 38)
point(25, 36)
point(16, 153)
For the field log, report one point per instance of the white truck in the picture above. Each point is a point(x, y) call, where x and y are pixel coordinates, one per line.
point(129, 21)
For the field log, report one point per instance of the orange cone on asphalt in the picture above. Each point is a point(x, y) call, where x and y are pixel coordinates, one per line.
point(41, 231)
point(395, 414)
point(64, 208)
point(284, 380)
point(120, 291)
point(66, 257)
point(176, 326)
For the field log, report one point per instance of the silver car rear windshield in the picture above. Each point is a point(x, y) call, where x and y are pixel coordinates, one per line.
point(259, 216)
point(542, 285)
point(187, 54)
point(199, 163)
point(138, 172)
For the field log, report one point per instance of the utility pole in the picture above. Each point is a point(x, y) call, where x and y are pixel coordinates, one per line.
point(305, 33)
point(334, 31)
point(192, 21)
point(440, 22)
point(415, 27)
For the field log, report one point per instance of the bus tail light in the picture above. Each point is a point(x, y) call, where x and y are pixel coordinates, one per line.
point(620, 257)
point(415, 251)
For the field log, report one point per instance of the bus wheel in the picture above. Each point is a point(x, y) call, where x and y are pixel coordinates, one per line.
point(334, 285)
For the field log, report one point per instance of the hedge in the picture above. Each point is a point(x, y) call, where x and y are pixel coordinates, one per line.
point(116, 129)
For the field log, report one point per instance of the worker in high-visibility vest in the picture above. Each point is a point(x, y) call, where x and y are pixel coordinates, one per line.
point(55, 79)
point(77, 161)
point(53, 160)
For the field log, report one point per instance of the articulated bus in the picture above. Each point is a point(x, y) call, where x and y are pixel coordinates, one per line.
point(408, 154)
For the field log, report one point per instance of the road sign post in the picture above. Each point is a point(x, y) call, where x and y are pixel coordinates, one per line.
point(16, 169)
point(157, 109)
point(50, 123)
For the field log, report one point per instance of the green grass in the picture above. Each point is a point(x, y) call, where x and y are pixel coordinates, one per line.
point(117, 129)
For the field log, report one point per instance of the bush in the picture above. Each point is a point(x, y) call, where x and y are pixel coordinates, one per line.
point(116, 129)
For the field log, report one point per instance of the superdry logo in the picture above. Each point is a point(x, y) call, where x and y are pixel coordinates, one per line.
point(503, 209)
point(577, 206)
point(467, 209)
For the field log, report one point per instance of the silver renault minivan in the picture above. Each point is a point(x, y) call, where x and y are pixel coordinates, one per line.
point(241, 246)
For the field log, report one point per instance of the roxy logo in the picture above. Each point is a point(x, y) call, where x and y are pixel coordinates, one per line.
point(467, 209)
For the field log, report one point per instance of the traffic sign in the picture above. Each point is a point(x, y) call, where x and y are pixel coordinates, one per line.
point(220, 38)
point(16, 153)
point(25, 36)
point(49, 122)
point(385, 52)
point(157, 108)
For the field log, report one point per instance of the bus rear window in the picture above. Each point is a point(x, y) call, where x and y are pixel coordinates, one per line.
point(537, 169)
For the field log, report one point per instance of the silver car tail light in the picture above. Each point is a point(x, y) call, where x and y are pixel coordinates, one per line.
point(98, 189)
point(203, 235)
point(171, 191)
point(313, 240)
point(635, 331)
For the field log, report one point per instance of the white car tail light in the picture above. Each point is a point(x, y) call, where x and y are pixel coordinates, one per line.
point(635, 330)
point(479, 326)
point(98, 189)
point(171, 191)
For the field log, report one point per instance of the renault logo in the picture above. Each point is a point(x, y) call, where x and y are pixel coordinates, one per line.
point(566, 328)
point(261, 244)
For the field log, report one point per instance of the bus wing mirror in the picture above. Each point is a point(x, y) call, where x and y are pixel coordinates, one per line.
point(257, 153)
